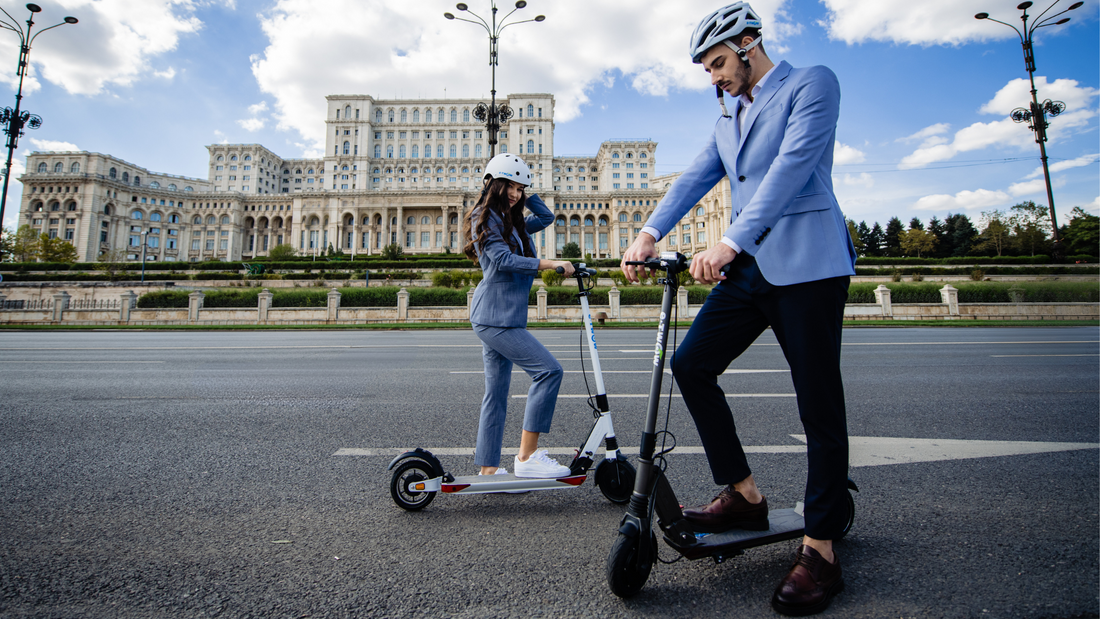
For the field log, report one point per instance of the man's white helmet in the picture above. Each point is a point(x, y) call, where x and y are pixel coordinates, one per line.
point(510, 167)
point(722, 26)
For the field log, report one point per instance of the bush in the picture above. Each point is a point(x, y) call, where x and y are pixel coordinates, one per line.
point(551, 278)
point(392, 251)
point(246, 297)
point(163, 299)
point(442, 279)
point(977, 275)
point(432, 297)
point(300, 297)
point(379, 296)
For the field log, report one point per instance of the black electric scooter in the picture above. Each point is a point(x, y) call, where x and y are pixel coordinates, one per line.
point(635, 550)
point(418, 475)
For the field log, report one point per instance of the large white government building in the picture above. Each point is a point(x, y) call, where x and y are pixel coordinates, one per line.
point(394, 171)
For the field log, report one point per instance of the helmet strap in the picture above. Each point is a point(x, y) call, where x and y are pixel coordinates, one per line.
point(722, 101)
point(743, 52)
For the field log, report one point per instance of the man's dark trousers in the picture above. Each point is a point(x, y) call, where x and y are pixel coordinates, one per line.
point(807, 319)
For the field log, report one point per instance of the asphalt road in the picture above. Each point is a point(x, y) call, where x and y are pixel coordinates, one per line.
point(172, 474)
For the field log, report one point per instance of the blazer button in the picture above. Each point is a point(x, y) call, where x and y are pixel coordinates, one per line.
point(741, 178)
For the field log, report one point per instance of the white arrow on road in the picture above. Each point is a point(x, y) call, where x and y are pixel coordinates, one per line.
point(862, 450)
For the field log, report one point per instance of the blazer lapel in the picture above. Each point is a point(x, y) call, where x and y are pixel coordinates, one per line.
point(782, 70)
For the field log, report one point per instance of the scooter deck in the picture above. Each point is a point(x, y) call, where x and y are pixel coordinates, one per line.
point(783, 524)
point(481, 484)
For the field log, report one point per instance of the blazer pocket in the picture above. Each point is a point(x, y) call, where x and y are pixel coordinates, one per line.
point(808, 203)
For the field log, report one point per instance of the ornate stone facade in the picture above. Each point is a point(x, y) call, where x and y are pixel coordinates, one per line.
point(394, 171)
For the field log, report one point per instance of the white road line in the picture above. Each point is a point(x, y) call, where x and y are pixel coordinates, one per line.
point(667, 371)
point(1091, 355)
point(95, 361)
point(863, 450)
point(675, 395)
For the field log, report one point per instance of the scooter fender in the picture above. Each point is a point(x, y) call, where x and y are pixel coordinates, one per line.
point(419, 454)
point(852, 485)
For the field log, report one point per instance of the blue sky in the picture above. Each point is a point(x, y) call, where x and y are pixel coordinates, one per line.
point(923, 129)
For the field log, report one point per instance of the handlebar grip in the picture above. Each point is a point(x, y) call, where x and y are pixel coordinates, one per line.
point(560, 269)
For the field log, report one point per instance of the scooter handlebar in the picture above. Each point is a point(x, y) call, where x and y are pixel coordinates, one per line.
point(578, 271)
point(672, 262)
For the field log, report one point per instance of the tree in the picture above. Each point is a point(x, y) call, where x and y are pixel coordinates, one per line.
point(996, 235)
point(7, 244)
point(865, 239)
point(282, 252)
point(392, 251)
point(1031, 226)
point(110, 262)
point(55, 250)
point(570, 250)
point(853, 232)
point(917, 241)
point(961, 234)
point(916, 224)
point(1082, 235)
point(937, 229)
point(876, 241)
point(892, 244)
point(25, 246)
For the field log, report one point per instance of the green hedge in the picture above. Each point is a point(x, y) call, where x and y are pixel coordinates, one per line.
point(981, 292)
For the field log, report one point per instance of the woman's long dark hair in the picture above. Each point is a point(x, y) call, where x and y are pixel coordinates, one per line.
point(494, 198)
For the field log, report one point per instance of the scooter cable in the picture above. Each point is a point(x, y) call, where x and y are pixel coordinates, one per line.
point(665, 433)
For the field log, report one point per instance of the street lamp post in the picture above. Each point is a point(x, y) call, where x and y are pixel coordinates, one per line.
point(493, 115)
point(15, 120)
point(1037, 114)
point(144, 244)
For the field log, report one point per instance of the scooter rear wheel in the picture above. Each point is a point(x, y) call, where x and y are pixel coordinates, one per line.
point(615, 479)
point(627, 571)
point(404, 476)
point(851, 516)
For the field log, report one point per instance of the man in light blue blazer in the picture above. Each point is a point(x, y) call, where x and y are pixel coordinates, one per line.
point(791, 260)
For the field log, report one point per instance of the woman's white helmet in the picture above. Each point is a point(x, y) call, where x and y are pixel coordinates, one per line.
point(720, 27)
point(509, 167)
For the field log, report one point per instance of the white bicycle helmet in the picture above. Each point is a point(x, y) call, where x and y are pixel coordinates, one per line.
point(510, 167)
point(720, 27)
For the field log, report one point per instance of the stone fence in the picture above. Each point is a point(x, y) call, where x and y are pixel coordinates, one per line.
point(62, 310)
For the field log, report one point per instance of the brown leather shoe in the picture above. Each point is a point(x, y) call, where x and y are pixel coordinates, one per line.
point(809, 586)
point(728, 510)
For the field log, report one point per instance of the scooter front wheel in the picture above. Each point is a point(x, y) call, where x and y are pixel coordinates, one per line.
point(627, 570)
point(401, 485)
point(615, 479)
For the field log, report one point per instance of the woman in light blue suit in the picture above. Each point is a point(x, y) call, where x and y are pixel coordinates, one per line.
point(498, 239)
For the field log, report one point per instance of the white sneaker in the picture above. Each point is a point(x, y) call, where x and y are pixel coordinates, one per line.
point(540, 465)
point(504, 471)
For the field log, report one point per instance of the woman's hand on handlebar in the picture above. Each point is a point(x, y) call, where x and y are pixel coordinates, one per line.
point(643, 247)
point(563, 267)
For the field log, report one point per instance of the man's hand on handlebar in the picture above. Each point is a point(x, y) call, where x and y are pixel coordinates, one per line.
point(643, 247)
point(706, 266)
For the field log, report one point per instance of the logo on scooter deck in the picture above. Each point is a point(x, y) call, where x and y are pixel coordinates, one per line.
point(658, 352)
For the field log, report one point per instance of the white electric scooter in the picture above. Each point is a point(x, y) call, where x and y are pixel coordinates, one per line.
point(418, 475)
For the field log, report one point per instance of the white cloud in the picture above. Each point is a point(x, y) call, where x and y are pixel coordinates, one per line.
point(408, 50)
point(258, 108)
point(53, 145)
point(1037, 187)
point(1067, 165)
point(963, 201)
point(15, 190)
point(1006, 132)
point(863, 180)
point(112, 44)
point(252, 124)
point(926, 133)
point(847, 155)
point(916, 23)
point(166, 74)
